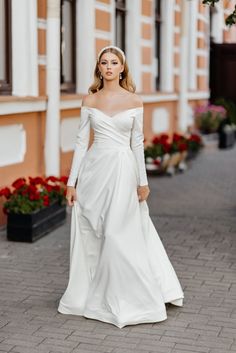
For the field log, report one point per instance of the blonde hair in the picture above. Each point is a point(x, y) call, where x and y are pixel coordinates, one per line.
point(126, 81)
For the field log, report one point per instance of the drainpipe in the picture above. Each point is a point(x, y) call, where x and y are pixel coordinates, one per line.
point(52, 131)
point(183, 75)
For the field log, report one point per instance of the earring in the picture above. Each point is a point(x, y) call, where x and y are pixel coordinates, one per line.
point(101, 77)
point(120, 76)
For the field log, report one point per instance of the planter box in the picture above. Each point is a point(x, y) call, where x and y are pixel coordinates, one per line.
point(30, 227)
point(226, 138)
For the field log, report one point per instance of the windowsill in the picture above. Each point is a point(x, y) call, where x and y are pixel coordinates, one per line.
point(8, 99)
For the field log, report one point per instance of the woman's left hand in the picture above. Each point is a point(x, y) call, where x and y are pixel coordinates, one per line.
point(143, 192)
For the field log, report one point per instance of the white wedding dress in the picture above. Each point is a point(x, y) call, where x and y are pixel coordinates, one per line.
point(119, 270)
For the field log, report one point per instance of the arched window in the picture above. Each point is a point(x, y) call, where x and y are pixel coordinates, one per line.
point(68, 45)
point(5, 45)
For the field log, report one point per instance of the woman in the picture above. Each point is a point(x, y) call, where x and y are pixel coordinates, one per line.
point(119, 270)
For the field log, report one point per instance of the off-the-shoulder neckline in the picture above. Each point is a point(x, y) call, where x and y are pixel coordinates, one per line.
point(119, 113)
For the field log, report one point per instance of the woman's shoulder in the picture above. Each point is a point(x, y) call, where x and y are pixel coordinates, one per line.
point(88, 100)
point(136, 100)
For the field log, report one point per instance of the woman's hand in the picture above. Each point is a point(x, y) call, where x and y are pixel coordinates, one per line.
point(70, 195)
point(143, 192)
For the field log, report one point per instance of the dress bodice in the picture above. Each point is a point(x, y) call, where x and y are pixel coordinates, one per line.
point(122, 130)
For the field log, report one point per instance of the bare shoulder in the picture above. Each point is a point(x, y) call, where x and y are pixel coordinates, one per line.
point(88, 100)
point(136, 100)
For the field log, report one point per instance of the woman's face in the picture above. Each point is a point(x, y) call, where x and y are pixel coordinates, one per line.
point(110, 66)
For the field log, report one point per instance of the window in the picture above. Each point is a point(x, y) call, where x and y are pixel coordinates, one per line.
point(158, 41)
point(5, 45)
point(120, 23)
point(68, 45)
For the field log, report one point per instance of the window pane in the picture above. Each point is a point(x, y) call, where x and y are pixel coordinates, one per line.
point(66, 42)
point(3, 54)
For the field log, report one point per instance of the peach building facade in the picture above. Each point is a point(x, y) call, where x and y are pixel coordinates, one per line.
point(48, 67)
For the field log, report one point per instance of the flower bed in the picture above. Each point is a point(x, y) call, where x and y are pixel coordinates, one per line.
point(165, 157)
point(34, 207)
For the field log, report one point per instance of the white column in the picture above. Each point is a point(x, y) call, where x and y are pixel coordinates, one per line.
point(133, 41)
point(218, 23)
point(167, 45)
point(24, 48)
point(52, 146)
point(85, 44)
point(192, 45)
point(183, 76)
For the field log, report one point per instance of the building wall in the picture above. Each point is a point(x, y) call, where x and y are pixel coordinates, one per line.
point(185, 36)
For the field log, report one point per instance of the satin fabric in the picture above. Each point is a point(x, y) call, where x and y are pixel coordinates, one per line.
point(119, 272)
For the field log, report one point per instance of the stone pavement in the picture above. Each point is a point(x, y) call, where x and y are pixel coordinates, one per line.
point(195, 215)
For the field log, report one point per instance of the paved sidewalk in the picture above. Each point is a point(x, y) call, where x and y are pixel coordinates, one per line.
point(195, 215)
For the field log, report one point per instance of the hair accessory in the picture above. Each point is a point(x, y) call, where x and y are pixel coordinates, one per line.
point(114, 47)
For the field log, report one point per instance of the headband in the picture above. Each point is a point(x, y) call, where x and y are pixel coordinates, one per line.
point(113, 47)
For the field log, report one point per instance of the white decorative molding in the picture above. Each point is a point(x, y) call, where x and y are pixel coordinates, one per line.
point(198, 95)
point(68, 136)
point(85, 44)
point(147, 68)
point(202, 52)
point(52, 128)
point(18, 107)
point(200, 16)
point(160, 120)
point(202, 72)
point(156, 98)
point(42, 59)
point(102, 6)
point(192, 45)
point(167, 44)
point(70, 104)
point(218, 24)
point(133, 45)
point(42, 23)
point(13, 143)
point(146, 19)
point(104, 35)
point(24, 48)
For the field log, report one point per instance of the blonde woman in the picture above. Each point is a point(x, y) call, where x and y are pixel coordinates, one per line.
point(119, 270)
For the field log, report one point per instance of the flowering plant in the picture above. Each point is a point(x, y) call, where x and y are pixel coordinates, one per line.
point(208, 117)
point(34, 194)
point(194, 142)
point(159, 151)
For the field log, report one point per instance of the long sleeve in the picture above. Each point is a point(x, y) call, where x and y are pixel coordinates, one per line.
point(137, 146)
point(81, 145)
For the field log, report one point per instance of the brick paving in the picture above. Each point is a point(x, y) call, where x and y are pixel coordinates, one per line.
point(194, 214)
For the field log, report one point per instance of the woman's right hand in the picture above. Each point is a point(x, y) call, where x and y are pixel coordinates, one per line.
point(71, 195)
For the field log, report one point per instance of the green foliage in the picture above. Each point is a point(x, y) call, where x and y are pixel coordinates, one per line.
point(230, 107)
point(230, 20)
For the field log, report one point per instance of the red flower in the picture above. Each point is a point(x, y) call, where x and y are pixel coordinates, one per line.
point(48, 187)
point(155, 140)
point(164, 137)
point(183, 146)
point(34, 196)
point(5, 192)
point(156, 162)
point(18, 183)
point(56, 188)
point(52, 178)
point(36, 180)
point(166, 146)
point(46, 200)
point(64, 179)
point(176, 137)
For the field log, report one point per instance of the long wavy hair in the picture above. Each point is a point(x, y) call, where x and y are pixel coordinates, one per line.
point(126, 81)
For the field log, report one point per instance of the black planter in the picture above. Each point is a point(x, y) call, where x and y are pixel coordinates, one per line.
point(30, 227)
point(226, 138)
